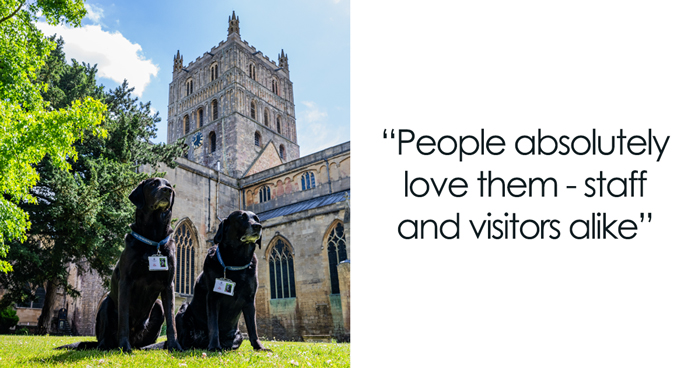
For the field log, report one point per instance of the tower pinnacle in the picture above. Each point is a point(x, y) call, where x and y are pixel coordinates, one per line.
point(234, 25)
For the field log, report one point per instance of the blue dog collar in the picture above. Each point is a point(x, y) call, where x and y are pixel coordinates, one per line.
point(151, 242)
point(230, 268)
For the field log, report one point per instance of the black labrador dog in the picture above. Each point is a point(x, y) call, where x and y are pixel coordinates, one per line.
point(211, 320)
point(131, 314)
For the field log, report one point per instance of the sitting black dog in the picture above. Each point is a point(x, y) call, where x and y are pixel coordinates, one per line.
point(131, 314)
point(211, 319)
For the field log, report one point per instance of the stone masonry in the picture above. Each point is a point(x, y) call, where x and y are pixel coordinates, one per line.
point(234, 109)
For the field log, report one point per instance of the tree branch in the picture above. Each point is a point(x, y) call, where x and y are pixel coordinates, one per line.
point(13, 13)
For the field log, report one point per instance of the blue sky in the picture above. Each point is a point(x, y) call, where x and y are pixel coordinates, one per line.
point(137, 40)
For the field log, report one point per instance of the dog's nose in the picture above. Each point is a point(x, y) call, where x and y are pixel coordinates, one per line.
point(257, 227)
point(167, 189)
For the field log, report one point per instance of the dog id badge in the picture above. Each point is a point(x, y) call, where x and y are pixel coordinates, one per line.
point(224, 286)
point(158, 263)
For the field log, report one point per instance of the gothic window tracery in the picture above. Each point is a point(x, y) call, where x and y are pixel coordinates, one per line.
point(185, 243)
point(214, 71)
point(308, 180)
point(264, 194)
point(282, 271)
point(252, 110)
point(186, 124)
point(337, 253)
point(189, 87)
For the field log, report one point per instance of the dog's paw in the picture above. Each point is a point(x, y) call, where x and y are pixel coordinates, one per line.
point(214, 348)
point(174, 346)
point(257, 345)
point(125, 348)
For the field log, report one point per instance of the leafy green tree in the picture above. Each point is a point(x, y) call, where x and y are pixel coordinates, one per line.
point(29, 129)
point(82, 214)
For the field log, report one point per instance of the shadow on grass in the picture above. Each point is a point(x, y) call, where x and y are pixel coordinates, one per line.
point(74, 356)
point(71, 356)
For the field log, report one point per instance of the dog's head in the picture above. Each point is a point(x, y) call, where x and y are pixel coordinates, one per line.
point(155, 194)
point(243, 226)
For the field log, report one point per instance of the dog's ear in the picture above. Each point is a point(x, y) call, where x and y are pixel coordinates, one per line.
point(136, 197)
point(172, 199)
point(223, 226)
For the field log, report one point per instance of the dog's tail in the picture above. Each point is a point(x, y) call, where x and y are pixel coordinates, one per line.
point(157, 346)
point(83, 345)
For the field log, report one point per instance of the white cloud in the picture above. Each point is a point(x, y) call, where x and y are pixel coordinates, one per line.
point(312, 113)
point(94, 12)
point(315, 133)
point(116, 57)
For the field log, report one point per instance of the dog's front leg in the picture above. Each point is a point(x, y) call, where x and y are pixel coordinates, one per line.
point(168, 304)
point(251, 325)
point(123, 308)
point(213, 322)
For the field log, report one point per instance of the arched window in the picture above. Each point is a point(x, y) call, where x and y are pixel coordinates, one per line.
point(266, 118)
point(283, 154)
point(336, 253)
point(186, 124)
point(275, 88)
point(258, 139)
point(308, 180)
point(214, 71)
point(282, 271)
point(200, 118)
point(264, 194)
point(189, 87)
point(214, 110)
point(212, 142)
point(251, 71)
point(279, 125)
point(185, 242)
point(252, 110)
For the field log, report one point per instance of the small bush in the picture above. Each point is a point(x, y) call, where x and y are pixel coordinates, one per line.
point(22, 331)
point(8, 319)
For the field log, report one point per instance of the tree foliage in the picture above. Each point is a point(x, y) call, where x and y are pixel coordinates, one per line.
point(81, 214)
point(30, 129)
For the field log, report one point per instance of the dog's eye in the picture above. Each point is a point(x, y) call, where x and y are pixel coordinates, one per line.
point(256, 218)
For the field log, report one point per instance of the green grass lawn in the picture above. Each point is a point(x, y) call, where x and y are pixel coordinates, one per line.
point(30, 351)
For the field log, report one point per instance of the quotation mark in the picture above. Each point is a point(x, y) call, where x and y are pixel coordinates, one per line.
point(392, 133)
point(642, 215)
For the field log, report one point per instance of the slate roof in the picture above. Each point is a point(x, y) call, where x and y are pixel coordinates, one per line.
point(308, 204)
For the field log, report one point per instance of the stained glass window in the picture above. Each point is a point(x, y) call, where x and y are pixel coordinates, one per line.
point(282, 271)
point(184, 272)
point(336, 254)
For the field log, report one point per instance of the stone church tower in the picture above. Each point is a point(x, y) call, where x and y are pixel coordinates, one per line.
point(230, 103)
point(235, 110)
